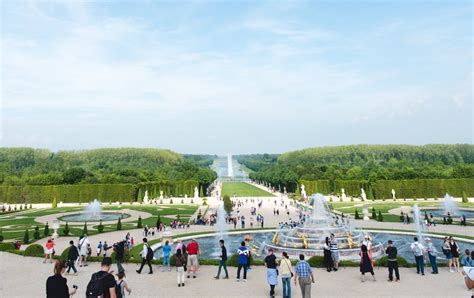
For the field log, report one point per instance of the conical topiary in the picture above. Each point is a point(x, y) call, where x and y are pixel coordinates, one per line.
point(26, 238)
point(84, 229)
point(46, 229)
point(119, 224)
point(36, 234)
point(139, 223)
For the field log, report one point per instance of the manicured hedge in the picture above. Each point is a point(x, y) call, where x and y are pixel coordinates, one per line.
point(382, 189)
point(4, 246)
point(34, 250)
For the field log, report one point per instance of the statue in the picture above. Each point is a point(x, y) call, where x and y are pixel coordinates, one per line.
point(393, 194)
point(343, 194)
point(196, 193)
point(145, 198)
point(161, 195)
point(303, 192)
point(363, 195)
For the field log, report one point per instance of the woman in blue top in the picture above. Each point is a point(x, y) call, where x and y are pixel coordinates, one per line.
point(166, 255)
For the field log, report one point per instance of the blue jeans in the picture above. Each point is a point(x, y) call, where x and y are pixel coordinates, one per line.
point(166, 261)
point(434, 266)
point(420, 265)
point(222, 264)
point(286, 281)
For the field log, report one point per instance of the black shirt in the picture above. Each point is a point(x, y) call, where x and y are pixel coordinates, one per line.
point(119, 251)
point(108, 281)
point(271, 261)
point(56, 287)
point(73, 253)
point(223, 253)
point(391, 252)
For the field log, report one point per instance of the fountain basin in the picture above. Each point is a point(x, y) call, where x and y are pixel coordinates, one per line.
point(104, 216)
point(439, 213)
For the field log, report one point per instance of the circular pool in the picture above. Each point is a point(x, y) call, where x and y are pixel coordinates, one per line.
point(104, 216)
point(440, 212)
point(210, 249)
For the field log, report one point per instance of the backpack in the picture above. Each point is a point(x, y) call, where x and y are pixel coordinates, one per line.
point(95, 287)
point(149, 253)
point(118, 289)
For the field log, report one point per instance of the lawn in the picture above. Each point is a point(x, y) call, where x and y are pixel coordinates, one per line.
point(242, 189)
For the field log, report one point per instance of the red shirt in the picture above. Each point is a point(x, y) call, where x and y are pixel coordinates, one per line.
point(192, 248)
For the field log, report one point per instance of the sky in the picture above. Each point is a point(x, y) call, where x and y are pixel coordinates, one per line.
point(241, 76)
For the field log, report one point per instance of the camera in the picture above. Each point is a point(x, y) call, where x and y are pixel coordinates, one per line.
point(75, 287)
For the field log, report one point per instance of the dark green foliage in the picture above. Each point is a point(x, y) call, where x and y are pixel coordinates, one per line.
point(34, 250)
point(171, 201)
point(65, 254)
point(26, 238)
point(464, 197)
point(54, 204)
point(401, 216)
point(374, 214)
point(84, 229)
point(380, 216)
point(139, 223)
point(158, 221)
point(1, 236)
point(5, 246)
point(356, 215)
point(66, 230)
point(46, 230)
point(227, 204)
point(100, 227)
point(384, 262)
point(36, 233)
point(119, 224)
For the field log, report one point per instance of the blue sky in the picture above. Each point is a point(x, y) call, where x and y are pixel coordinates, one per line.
point(246, 76)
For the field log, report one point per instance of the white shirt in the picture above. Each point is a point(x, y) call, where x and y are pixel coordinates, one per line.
point(84, 244)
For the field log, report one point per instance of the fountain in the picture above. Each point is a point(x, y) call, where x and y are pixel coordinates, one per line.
point(308, 238)
point(230, 170)
point(450, 206)
point(93, 212)
point(418, 221)
point(363, 195)
point(221, 222)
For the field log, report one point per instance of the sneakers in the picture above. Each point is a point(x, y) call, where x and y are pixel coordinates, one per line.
point(226, 277)
point(182, 284)
point(245, 280)
point(451, 270)
point(238, 279)
point(179, 285)
point(138, 271)
point(215, 277)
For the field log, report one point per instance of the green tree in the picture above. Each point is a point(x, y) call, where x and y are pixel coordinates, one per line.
point(227, 204)
point(46, 230)
point(66, 229)
point(380, 217)
point(374, 214)
point(356, 215)
point(158, 221)
point(36, 234)
point(26, 238)
point(119, 224)
point(100, 227)
point(84, 229)
point(139, 223)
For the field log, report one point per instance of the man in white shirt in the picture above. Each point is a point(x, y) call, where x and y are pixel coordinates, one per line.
point(418, 251)
point(147, 256)
point(83, 246)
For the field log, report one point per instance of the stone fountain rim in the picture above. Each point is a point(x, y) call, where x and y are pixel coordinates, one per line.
point(134, 214)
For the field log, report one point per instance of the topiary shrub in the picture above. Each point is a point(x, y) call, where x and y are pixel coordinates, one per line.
point(374, 214)
point(65, 254)
point(100, 227)
point(158, 222)
point(139, 223)
point(171, 201)
point(234, 260)
point(380, 217)
point(21, 207)
point(384, 262)
point(84, 229)
point(204, 202)
point(316, 261)
point(46, 229)
point(192, 201)
point(119, 224)
point(1, 236)
point(36, 234)
point(464, 197)
point(26, 237)
point(34, 250)
point(54, 204)
point(356, 215)
point(66, 229)
point(31, 206)
point(401, 216)
point(182, 201)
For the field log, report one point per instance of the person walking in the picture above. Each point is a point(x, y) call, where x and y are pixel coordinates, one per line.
point(147, 256)
point(48, 251)
point(180, 264)
point(392, 252)
point(327, 255)
point(286, 274)
point(432, 255)
point(119, 255)
point(102, 283)
point(447, 252)
point(365, 263)
point(222, 261)
point(334, 252)
point(72, 257)
point(99, 248)
point(166, 256)
point(56, 285)
point(418, 250)
point(272, 273)
point(455, 252)
point(243, 254)
point(193, 262)
point(304, 276)
point(84, 243)
point(121, 286)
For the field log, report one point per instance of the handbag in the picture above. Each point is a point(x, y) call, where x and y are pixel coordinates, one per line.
point(291, 272)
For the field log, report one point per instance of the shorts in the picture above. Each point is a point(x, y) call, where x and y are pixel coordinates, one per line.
point(193, 260)
point(449, 255)
point(335, 256)
point(49, 251)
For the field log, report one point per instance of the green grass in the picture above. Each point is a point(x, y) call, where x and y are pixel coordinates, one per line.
point(242, 189)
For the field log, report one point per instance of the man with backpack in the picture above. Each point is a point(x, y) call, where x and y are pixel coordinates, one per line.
point(119, 255)
point(102, 283)
point(147, 256)
point(419, 252)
